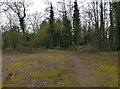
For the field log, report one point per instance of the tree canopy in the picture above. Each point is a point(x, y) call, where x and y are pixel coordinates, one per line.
point(95, 26)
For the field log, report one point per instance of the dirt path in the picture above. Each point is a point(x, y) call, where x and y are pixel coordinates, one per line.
point(88, 72)
point(83, 72)
point(59, 69)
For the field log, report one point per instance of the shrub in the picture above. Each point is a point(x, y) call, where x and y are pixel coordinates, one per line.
point(88, 48)
point(73, 48)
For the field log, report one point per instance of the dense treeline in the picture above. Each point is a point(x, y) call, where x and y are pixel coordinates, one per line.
point(66, 34)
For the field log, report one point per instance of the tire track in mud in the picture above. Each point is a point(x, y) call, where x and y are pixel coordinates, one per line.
point(82, 72)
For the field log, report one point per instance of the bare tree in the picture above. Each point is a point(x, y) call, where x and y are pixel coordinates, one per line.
point(8, 20)
point(34, 20)
point(19, 8)
point(65, 6)
point(12, 19)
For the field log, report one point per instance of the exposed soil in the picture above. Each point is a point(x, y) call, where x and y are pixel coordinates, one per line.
point(59, 69)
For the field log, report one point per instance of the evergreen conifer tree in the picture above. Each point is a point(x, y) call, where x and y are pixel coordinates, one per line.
point(66, 32)
point(76, 24)
point(51, 30)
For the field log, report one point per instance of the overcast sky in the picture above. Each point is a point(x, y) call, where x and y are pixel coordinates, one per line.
point(39, 5)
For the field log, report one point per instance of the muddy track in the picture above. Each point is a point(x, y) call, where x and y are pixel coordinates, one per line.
point(59, 69)
point(82, 72)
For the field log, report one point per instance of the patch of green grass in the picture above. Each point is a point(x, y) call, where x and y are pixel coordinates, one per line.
point(108, 73)
point(21, 63)
point(66, 82)
point(56, 57)
point(16, 79)
point(13, 80)
point(46, 73)
point(112, 53)
point(16, 64)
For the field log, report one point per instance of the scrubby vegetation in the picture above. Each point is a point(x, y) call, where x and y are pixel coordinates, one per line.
point(65, 33)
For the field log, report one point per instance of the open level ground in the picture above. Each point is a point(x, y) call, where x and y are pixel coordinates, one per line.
point(55, 68)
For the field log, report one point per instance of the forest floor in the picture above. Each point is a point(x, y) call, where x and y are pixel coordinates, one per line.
point(55, 68)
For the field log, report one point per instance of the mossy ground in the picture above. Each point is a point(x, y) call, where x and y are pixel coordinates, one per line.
point(53, 69)
point(107, 73)
point(106, 69)
point(23, 68)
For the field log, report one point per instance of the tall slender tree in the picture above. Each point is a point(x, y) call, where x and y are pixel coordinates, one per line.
point(58, 36)
point(102, 30)
point(111, 27)
point(66, 32)
point(51, 31)
point(76, 24)
point(116, 6)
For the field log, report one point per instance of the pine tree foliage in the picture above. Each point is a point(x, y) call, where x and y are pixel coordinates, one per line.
point(66, 32)
point(58, 35)
point(76, 24)
point(51, 30)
